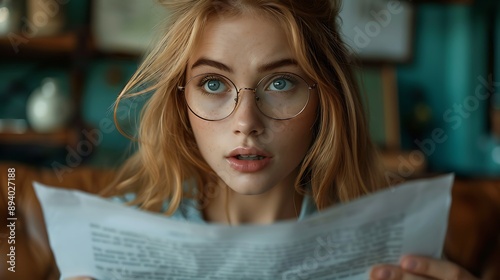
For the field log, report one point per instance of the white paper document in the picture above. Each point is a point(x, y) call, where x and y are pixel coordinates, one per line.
point(92, 236)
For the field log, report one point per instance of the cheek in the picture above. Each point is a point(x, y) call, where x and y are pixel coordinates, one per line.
point(198, 127)
point(293, 141)
point(298, 138)
point(205, 134)
point(299, 132)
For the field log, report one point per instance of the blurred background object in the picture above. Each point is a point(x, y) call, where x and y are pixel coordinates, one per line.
point(10, 16)
point(62, 65)
point(125, 25)
point(379, 30)
point(447, 80)
point(48, 109)
point(428, 69)
point(45, 18)
point(455, 69)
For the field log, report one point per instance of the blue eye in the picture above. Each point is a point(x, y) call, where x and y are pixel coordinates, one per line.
point(213, 85)
point(281, 84)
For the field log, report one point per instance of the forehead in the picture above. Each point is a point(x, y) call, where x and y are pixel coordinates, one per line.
point(245, 39)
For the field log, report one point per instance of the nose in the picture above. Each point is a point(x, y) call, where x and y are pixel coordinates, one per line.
point(247, 118)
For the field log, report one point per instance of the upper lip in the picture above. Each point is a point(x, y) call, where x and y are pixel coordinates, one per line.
point(249, 151)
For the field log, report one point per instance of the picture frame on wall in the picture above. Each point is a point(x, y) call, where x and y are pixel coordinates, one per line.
point(379, 30)
point(126, 26)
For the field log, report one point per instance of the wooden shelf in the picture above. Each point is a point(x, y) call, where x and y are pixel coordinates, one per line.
point(59, 138)
point(15, 47)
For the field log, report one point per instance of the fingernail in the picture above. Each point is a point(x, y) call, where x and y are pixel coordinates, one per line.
point(410, 264)
point(383, 274)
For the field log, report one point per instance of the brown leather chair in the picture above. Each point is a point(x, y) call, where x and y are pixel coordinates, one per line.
point(473, 238)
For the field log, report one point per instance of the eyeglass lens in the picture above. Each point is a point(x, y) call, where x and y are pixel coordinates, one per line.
point(278, 96)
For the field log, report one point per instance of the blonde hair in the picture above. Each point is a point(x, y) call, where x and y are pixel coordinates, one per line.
point(341, 163)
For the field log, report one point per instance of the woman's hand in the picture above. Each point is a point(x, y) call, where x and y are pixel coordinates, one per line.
point(420, 268)
point(79, 278)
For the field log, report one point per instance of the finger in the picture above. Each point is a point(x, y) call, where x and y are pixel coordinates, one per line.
point(391, 272)
point(79, 278)
point(438, 269)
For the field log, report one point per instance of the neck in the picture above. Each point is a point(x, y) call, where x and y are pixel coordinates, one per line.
point(279, 203)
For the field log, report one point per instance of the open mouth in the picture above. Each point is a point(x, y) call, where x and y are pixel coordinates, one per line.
point(250, 157)
point(248, 160)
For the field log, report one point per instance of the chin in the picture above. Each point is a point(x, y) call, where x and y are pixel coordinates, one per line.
point(251, 183)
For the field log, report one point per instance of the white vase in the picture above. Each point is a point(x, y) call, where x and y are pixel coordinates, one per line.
point(48, 109)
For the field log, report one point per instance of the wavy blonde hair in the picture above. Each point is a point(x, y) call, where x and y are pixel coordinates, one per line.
point(341, 163)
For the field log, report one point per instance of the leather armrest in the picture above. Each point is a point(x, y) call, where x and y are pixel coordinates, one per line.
point(473, 236)
point(34, 259)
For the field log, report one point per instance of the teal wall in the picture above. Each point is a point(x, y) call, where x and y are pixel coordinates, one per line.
point(449, 60)
point(98, 100)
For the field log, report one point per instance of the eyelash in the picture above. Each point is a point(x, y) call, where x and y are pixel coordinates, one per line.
point(210, 78)
point(285, 77)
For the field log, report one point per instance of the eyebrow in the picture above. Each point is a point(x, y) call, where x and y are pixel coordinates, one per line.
point(212, 63)
point(263, 68)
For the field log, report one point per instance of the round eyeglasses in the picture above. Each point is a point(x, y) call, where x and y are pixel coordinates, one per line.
point(279, 96)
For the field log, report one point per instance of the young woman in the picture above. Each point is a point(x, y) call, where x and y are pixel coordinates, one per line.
point(254, 116)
